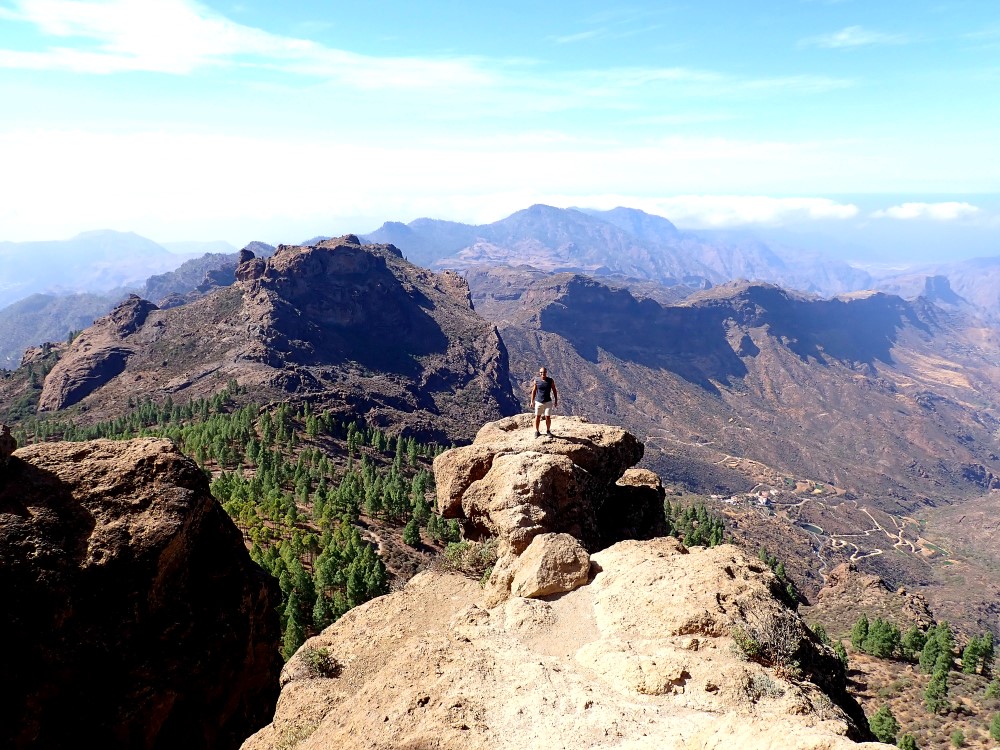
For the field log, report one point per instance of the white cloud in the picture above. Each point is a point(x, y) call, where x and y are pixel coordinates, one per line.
point(736, 210)
point(853, 36)
point(171, 185)
point(946, 211)
point(181, 36)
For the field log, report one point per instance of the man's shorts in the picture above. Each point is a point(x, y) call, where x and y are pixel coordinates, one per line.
point(544, 409)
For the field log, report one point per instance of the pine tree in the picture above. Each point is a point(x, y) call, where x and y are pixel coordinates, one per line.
point(931, 651)
point(322, 612)
point(970, 656)
point(913, 643)
point(859, 632)
point(295, 634)
point(935, 696)
point(987, 654)
point(841, 652)
point(411, 534)
point(907, 742)
point(884, 725)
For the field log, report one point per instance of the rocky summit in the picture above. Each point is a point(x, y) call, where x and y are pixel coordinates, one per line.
point(353, 328)
point(134, 617)
point(641, 644)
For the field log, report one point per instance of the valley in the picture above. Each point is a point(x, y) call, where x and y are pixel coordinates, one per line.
point(857, 431)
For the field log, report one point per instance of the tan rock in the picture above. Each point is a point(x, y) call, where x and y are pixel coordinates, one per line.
point(138, 616)
point(602, 450)
point(611, 664)
point(552, 564)
point(514, 486)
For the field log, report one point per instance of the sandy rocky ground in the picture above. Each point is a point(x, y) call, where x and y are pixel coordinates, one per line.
point(639, 646)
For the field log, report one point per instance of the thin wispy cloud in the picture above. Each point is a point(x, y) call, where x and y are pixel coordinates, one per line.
point(739, 210)
point(852, 37)
point(945, 211)
point(180, 37)
point(582, 36)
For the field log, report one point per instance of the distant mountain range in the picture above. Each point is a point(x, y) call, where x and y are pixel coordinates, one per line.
point(623, 241)
point(90, 262)
point(50, 317)
point(623, 246)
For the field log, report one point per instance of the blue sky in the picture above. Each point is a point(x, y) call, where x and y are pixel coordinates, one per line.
point(252, 120)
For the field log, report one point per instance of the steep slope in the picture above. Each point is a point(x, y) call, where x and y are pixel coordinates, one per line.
point(975, 281)
point(653, 646)
point(855, 416)
point(47, 317)
point(356, 329)
point(737, 361)
point(134, 615)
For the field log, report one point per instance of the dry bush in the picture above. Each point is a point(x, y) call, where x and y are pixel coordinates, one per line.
point(770, 638)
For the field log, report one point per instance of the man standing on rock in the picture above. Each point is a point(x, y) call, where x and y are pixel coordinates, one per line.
point(545, 398)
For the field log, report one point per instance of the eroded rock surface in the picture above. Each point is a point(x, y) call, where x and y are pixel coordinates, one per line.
point(134, 617)
point(355, 329)
point(647, 655)
point(95, 357)
point(514, 486)
point(511, 484)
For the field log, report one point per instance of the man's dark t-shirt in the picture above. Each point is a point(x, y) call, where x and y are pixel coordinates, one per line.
point(543, 390)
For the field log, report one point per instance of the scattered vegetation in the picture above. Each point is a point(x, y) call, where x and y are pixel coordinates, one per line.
point(778, 568)
point(320, 662)
point(694, 524)
point(296, 483)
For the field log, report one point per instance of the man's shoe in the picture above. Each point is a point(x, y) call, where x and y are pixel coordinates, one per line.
point(537, 433)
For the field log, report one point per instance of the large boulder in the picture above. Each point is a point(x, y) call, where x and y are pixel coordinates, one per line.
point(513, 486)
point(664, 648)
point(134, 617)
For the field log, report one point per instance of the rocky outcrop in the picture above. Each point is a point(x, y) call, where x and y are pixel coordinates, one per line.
point(7, 445)
point(134, 615)
point(664, 648)
point(513, 486)
point(642, 644)
point(849, 592)
point(95, 357)
point(355, 329)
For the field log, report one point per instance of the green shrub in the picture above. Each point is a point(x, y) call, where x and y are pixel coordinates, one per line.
point(907, 742)
point(884, 725)
point(320, 663)
point(958, 738)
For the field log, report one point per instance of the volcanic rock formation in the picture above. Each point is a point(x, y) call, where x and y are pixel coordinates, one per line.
point(134, 617)
point(355, 329)
point(513, 486)
point(654, 646)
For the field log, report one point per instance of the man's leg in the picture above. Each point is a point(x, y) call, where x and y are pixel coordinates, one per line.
point(548, 423)
point(538, 418)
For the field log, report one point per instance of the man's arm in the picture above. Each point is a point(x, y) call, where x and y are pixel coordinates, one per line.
point(534, 389)
point(555, 394)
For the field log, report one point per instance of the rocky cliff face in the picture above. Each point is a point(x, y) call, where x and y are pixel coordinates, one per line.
point(354, 328)
point(643, 644)
point(134, 616)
